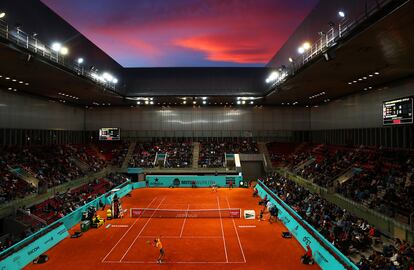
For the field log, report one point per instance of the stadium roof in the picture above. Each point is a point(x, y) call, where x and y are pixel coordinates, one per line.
point(380, 43)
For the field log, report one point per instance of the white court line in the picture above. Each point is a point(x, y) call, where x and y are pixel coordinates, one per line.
point(119, 226)
point(169, 262)
point(247, 226)
point(182, 227)
point(142, 229)
point(183, 237)
point(122, 237)
point(237, 233)
point(222, 231)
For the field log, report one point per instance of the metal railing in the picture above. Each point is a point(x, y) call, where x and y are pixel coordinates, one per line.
point(31, 43)
point(328, 39)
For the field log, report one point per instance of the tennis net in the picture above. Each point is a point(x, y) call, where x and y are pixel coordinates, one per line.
point(185, 213)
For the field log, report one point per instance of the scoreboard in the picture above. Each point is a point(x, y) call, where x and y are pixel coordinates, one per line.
point(109, 134)
point(398, 111)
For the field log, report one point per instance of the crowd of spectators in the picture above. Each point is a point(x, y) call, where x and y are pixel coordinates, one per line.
point(113, 152)
point(179, 154)
point(281, 153)
point(87, 155)
point(351, 235)
point(65, 203)
point(384, 181)
point(212, 152)
point(322, 164)
point(12, 187)
point(381, 179)
point(51, 165)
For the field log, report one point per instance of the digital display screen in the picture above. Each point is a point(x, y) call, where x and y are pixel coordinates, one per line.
point(109, 134)
point(398, 111)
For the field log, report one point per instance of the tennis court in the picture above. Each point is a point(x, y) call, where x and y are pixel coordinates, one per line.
point(191, 240)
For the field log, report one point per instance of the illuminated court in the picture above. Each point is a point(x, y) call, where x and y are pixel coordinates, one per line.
point(190, 242)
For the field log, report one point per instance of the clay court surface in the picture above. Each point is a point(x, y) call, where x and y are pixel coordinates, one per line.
point(189, 243)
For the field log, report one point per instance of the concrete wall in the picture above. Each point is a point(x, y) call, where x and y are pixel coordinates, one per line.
point(363, 110)
point(27, 112)
point(205, 121)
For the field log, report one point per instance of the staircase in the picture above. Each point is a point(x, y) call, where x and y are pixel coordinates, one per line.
point(345, 177)
point(82, 165)
point(265, 152)
point(305, 163)
point(196, 154)
point(26, 176)
point(128, 155)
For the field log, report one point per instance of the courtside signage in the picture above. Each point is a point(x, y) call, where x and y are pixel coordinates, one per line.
point(24, 256)
point(249, 214)
point(322, 257)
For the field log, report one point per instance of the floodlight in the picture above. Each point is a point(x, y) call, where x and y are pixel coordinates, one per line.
point(64, 51)
point(56, 46)
point(306, 46)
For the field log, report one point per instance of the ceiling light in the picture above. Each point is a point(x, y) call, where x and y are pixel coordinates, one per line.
point(146, 102)
point(184, 102)
point(56, 46)
point(341, 14)
point(301, 50)
point(204, 98)
point(107, 76)
point(152, 102)
point(64, 51)
point(290, 59)
point(80, 60)
point(238, 102)
point(204, 102)
point(376, 73)
point(243, 102)
point(251, 102)
point(115, 80)
point(194, 102)
point(272, 77)
point(306, 46)
point(2, 15)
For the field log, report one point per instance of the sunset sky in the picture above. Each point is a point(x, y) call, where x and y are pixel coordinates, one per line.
point(185, 33)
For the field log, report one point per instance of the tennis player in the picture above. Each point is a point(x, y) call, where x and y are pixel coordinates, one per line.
point(214, 187)
point(158, 244)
